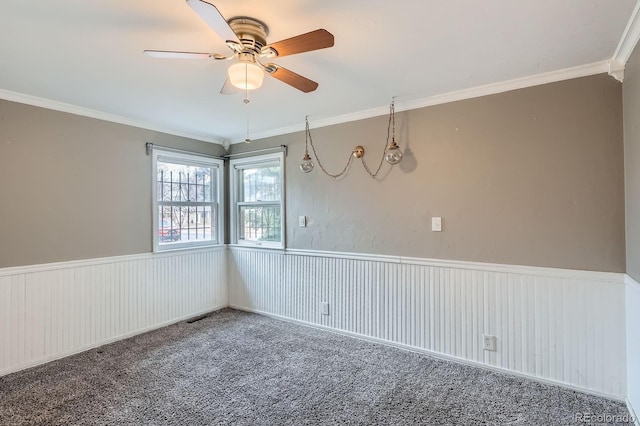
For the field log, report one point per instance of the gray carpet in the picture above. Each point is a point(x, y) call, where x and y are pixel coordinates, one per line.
point(239, 368)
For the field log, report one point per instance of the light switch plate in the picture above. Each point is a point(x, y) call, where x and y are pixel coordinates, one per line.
point(302, 221)
point(436, 224)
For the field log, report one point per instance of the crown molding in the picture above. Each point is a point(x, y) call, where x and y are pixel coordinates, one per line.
point(628, 42)
point(611, 67)
point(474, 92)
point(508, 85)
point(616, 70)
point(100, 115)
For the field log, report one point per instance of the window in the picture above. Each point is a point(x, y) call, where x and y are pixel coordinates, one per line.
point(187, 192)
point(257, 194)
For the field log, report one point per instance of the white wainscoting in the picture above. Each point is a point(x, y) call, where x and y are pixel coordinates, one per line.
point(633, 346)
point(54, 310)
point(561, 326)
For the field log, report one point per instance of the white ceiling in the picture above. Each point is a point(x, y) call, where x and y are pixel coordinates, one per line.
point(89, 54)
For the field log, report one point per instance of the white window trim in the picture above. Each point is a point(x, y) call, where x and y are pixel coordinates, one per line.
point(194, 159)
point(246, 163)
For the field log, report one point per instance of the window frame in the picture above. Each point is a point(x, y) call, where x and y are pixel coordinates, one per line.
point(190, 159)
point(235, 166)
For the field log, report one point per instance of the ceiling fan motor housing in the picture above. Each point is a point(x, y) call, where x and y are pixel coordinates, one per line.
point(251, 32)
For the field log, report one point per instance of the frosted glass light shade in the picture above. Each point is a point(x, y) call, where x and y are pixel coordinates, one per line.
point(246, 75)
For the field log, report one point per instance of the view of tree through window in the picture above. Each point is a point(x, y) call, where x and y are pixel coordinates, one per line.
point(187, 202)
point(259, 204)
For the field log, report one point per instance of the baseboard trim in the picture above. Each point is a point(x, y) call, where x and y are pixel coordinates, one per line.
point(110, 340)
point(435, 354)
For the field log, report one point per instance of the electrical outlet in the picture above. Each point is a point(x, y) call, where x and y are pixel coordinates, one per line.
point(436, 224)
point(489, 343)
point(302, 221)
point(325, 308)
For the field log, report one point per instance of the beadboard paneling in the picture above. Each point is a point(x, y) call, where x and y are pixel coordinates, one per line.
point(556, 325)
point(633, 346)
point(50, 311)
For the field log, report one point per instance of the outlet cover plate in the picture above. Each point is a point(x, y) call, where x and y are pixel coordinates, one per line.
point(325, 308)
point(489, 343)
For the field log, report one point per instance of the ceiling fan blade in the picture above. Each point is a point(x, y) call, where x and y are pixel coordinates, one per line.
point(318, 39)
point(291, 78)
point(165, 54)
point(210, 14)
point(228, 88)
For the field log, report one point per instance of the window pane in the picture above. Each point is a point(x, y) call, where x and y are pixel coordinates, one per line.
point(181, 182)
point(186, 223)
point(186, 206)
point(257, 194)
point(169, 225)
point(260, 184)
point(259, 223)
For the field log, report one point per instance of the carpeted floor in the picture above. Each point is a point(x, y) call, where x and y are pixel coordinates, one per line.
point(239, 368)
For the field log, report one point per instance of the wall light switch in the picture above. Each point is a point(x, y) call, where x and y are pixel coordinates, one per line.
point(302, 221)
point(436, 224)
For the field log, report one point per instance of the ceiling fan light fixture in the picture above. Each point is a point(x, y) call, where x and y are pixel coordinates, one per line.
point(247, 39)
point(246, 75)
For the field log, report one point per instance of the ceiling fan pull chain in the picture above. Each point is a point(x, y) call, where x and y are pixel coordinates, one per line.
point(248, 139)
point(246, 102)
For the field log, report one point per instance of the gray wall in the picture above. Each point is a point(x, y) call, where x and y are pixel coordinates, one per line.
point(73, 187)
point(531, 177)
point(631, 96)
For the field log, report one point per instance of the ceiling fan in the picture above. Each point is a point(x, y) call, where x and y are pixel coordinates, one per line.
point(247, 39)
